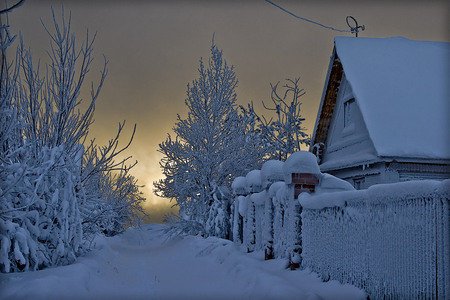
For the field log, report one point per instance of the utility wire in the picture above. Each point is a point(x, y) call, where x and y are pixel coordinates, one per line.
point(310, 21)
point(7, 10)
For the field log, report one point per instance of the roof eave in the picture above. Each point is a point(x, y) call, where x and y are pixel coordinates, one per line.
point(439, 161)
point(330, 90)
point(350, 165)
point(324, 90)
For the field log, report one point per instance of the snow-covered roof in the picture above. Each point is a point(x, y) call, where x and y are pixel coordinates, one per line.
point(300, 162)
point(401, 87)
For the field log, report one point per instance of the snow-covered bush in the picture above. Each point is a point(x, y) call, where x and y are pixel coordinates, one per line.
point(179, 226)
point(113, 206)
point(40, 219)
point(218, 223)
point(112, 194)
point(49, 184)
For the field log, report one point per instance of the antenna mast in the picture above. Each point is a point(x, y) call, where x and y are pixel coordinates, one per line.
point(354, 29)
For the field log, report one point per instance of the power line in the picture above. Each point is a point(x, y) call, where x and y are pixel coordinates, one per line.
point(353, 29)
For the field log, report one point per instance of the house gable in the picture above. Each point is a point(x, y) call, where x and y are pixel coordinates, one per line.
point(384, 101)
point(401, 87)
point(337, 143)
point(348, 142)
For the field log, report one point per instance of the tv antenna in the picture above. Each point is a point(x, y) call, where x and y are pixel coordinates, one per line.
point(353, 29)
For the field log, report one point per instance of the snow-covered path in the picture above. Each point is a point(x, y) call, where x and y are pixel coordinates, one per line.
point(144, 264)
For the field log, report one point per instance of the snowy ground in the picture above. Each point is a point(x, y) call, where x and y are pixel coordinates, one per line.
point(144, 264)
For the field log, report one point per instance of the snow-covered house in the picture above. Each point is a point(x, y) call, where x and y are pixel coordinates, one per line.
point(384, 113)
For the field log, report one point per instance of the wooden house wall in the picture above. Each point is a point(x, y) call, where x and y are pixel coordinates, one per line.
point(343, 144)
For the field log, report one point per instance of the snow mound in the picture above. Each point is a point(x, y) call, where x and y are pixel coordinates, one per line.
point(330, 183)
point(242, 202)
point(300, 162)
point(254, 181)
point(272, 171)
point(143, 263)
point(275, 187)
point(259, 198)
point(239, 186)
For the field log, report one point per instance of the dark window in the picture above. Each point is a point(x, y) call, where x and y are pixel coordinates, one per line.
point(348, 108)
point(358, 183)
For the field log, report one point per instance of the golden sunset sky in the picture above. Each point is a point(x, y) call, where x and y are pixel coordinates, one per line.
point(154, 47)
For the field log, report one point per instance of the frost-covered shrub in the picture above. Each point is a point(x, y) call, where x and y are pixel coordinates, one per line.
point(218, 223)
point(178, 226)
point(44, 177)
point(112, 203)
point(40, 220)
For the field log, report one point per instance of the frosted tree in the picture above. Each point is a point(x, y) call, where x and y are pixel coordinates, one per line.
point(284, 132)
point(47, 177)
point(53, 108)
point(113, 199)
point(9, 113)
point(52, 104)
point(39, 217)
point(212, 146)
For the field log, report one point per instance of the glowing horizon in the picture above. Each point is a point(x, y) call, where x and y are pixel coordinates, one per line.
point(154, 50)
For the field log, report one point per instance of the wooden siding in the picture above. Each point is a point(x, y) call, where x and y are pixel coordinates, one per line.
point(329, 103)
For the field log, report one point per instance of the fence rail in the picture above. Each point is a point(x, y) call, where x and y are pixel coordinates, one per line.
point(391, 240)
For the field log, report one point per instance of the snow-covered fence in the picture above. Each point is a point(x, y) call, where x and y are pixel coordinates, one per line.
point(253, 216)
point(392, 240)
point(239, 208)
point(271, 177)
point(270, 212)
point(280, 228)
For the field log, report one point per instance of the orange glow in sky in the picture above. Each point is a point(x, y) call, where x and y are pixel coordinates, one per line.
point(154, 47)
